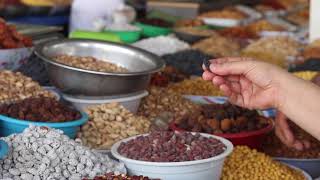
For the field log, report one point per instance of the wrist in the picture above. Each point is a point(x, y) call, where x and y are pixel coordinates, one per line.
point(281, 84)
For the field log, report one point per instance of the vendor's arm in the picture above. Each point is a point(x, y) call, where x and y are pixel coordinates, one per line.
point(254, 84)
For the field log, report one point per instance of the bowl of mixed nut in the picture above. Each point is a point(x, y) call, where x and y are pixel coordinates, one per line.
point(97, 68)
point(174, 155)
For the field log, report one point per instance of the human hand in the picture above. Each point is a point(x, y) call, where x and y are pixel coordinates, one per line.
point(247, 83)
point(286, 136)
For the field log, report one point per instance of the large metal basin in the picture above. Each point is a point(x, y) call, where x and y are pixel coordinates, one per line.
point(76, 81)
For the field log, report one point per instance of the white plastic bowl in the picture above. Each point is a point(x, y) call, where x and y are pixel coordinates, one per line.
point(206, 169)
point(12, 59)
point(130, 102)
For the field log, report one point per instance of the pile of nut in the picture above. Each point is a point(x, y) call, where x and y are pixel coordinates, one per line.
point(90, 63)
point(15, 87)
point(10, 38)
point(222, 118)
point(218, 46)
point(109, 123)
point(195, 86)
point(167, 75)
point(112, 176)
point(165, 146)
point(245, 163)
point(274, 50)
point(40, 110)
point(274, 147)
point(162, 100)
point(41, 153)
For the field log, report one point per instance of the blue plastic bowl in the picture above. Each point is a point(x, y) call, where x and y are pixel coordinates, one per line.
point(10, 125)
point(4, 148)
point(311, 166)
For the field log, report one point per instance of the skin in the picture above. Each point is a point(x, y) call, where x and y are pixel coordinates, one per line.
point(258, 85)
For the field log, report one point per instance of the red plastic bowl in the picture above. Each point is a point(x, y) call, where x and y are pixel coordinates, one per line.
point(253, 139)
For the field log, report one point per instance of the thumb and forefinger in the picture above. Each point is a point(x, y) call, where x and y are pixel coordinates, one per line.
point(230, 66)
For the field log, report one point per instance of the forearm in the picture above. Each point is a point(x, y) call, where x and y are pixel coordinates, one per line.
point(300, 101)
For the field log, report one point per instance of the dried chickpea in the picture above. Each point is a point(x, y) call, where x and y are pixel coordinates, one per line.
point(245, 163)
point(306, 75)
point(196, 86)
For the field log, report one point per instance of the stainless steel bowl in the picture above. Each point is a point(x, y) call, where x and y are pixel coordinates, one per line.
point(76, 81)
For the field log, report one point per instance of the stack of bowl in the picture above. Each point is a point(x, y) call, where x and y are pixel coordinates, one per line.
point(85, 87)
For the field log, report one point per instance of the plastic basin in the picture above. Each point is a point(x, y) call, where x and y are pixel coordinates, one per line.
point(4, 148)
point(153, 31)
point(206, 169)
point(12, 59)
point(253, 139)
point(10, 126)
point(127, 36)
point(130, 101)
point(310, 166)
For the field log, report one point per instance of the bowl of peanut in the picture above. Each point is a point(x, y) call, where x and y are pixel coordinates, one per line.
point(97, 68)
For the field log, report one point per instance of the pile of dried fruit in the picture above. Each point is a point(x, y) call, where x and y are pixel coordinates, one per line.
point(196, 86)
point(222, 118)
point(109, 123)
point(167, 75)
point(245, 163)
point(218, 46)
point(89, 63)
point(165, 146)
point(156, 22)
point(15, 87)
point(306, 75)
point(226, 13)
point(112, 176)
point(274, 147)
point(10, 38)
point(40, 110)
point(162, 100)
point(274, 50)
point(187, 61)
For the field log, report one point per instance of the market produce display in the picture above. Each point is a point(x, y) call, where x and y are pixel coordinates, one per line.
point(40, 110)
point(189, 23)
point(112, 176)
point(308, 65)
point(196, 31)
point(245, 163)
point(275, 50)
point(15, 87)
point(162, 100)
point(156, 22)
point(10, 38)
point(187, 61)
point(109, 123)
point(90, 63)
point(306, 75)
point(43, 153)
point(226, 13)
point(195, 86)
point(222, 118)
point(162, 45)
point(171, 147)
point(167, 75)
point(218, 46)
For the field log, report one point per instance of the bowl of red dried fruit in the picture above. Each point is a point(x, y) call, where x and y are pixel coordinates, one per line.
point(174, 155)
point(240, 126)
point(15, 48)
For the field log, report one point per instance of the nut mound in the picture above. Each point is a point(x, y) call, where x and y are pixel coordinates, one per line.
point(165, 146)
point(40, 110)
point(90, 63)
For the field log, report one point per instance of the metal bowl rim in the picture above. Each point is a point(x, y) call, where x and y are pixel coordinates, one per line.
point(39, 48)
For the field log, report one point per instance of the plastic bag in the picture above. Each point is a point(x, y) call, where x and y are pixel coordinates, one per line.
point(93, 15)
